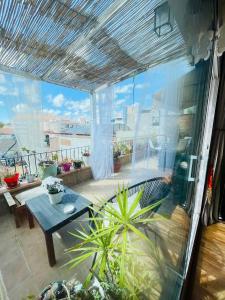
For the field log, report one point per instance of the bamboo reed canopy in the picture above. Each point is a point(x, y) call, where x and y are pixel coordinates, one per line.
point(83, 43)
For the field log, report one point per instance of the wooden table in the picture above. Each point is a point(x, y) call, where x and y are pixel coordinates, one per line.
point(51, 217)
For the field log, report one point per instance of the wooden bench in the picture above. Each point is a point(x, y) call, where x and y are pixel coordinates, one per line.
point(13, 206)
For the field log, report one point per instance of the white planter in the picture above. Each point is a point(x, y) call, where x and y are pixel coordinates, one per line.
point(55, 198)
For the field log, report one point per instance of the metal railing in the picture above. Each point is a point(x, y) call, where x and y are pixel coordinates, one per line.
point(28, 164)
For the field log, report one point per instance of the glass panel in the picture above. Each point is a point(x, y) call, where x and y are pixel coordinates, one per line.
point(162, 119)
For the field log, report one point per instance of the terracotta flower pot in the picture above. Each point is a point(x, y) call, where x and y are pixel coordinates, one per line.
point(12, 181)
point(117, 165)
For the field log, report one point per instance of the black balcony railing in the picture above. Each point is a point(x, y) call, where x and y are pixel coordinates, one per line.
point(28, 164)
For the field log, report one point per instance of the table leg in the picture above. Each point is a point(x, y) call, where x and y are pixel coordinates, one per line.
point(30, 219)
point(16, 218)
point(50, 249)
point(91, 214)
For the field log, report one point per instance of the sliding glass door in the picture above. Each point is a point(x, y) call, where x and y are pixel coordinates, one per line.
point(165, 124)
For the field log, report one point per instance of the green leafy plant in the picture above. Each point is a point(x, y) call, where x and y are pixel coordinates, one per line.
point(55, 188)
point(24, 149)
point(113, 238)
point(7, 172)
point(45, 163)
point(55, 157)
point(30, 297)
point(78, 161)
point(125, 149)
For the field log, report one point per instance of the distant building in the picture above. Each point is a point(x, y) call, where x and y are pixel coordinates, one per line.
point(148, 121)
point(125, 114)
point(58, 125)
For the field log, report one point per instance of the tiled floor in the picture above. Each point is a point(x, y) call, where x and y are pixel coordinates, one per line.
point(24, 267)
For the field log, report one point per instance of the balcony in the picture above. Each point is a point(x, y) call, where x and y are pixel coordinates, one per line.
point(146, 72)
point(24, 249)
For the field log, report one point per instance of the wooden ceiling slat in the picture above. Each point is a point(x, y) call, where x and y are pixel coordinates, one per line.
point(83, 44)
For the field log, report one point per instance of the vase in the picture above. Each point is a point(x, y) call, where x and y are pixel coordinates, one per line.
point(12, 181)
point(55, 198)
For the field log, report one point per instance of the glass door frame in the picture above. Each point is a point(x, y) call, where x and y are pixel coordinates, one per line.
point(200, 178)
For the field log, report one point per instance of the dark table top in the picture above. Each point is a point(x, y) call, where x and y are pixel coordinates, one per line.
point(52, 217)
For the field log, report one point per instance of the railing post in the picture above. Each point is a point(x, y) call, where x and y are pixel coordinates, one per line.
point(35, 161)
point(14, 160)
point(28, 157)
point(21, 159)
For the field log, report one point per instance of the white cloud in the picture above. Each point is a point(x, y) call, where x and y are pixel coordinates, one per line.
point(52, 111)
point(124, 89)
point(7, 91)
point(67, 113)
point(78, 107)
point(3, 90)
point(1, 103)
point(141, 85)
point(120, 101)
point(20, 107)
point(58, 100)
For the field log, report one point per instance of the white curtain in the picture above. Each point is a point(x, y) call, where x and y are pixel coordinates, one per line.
point(24, 107)
point(144, 156)
point(27, 116)
point(156, 128)
point(102, 133)
point(168, 124)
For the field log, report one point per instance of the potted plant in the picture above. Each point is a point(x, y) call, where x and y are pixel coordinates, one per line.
point(116, 161)
point(66, 165)
point(77, 164)
point(11, 179)
point(55, 192)
point(115, 239)
point(75, 290)
point(55, 157)
point(47, 168)
point(86, 158)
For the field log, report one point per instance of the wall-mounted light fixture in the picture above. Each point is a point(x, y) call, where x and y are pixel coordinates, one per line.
point(163, 19)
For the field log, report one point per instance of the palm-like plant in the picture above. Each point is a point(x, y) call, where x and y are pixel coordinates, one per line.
point(112, 238)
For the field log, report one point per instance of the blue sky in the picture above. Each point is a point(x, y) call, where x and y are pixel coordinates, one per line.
point(73, 104)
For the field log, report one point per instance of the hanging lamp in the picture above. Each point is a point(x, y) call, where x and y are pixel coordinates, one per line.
point(163, 19)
